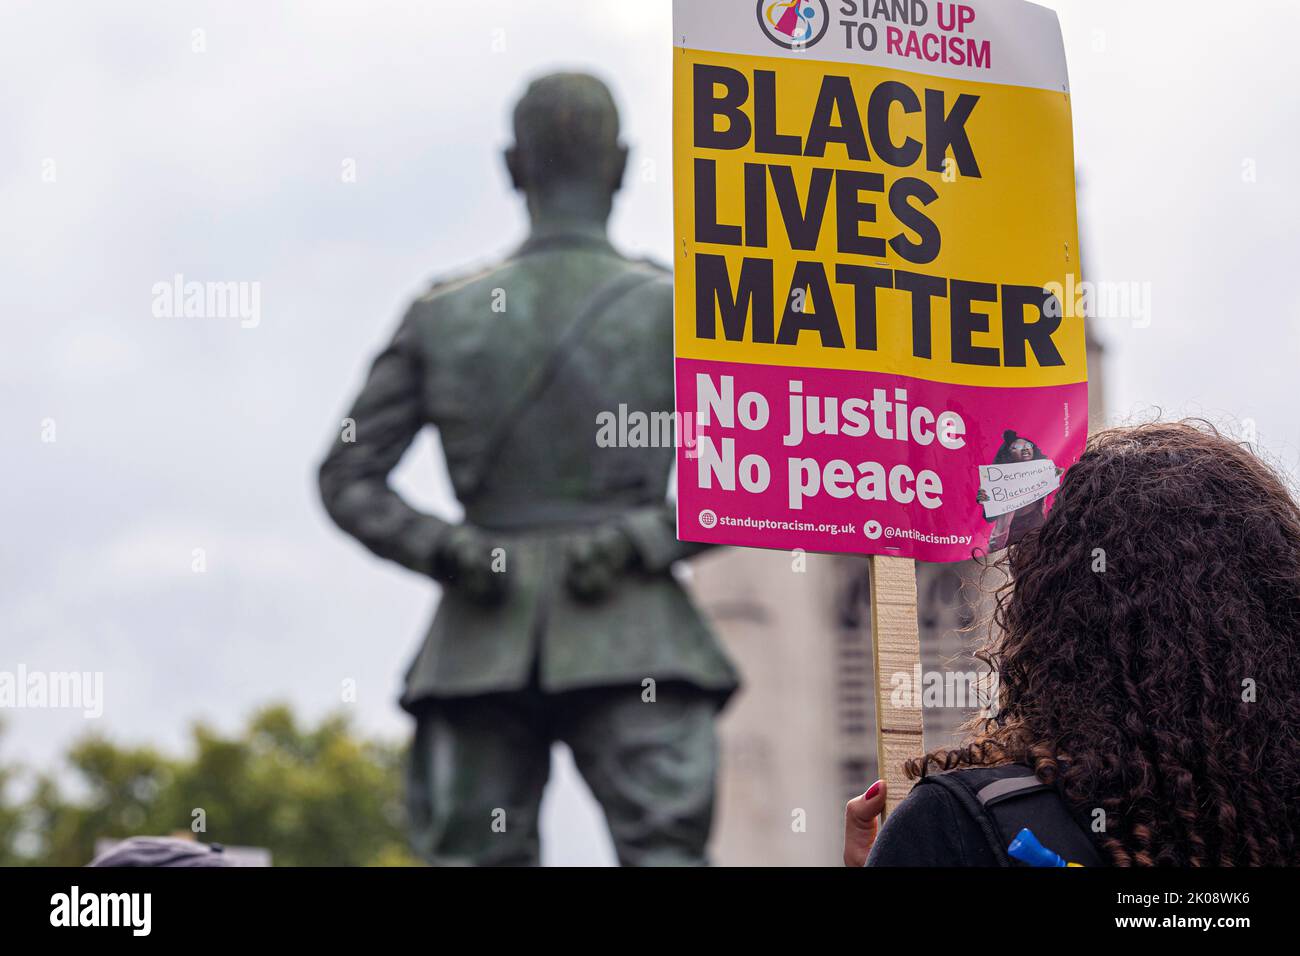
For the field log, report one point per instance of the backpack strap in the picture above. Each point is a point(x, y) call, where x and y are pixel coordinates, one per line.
point(1008, 788)
point(1005, 800)
point(966, 797)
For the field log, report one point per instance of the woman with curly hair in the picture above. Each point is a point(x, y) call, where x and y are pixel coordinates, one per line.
point(1147, 650)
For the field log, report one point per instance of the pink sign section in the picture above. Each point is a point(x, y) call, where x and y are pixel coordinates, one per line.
point(847, 461)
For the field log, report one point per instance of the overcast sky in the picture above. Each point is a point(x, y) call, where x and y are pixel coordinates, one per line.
point(128, 157)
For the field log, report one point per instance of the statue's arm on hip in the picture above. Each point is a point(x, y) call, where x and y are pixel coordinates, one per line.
point(383, 421)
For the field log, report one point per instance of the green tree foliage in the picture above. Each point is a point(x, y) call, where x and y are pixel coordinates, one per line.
point(10, 817)
point(312, 796)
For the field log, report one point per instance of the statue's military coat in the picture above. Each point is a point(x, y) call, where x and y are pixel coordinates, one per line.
point(460, 360)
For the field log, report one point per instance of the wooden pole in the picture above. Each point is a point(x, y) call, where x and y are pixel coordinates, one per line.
point(895, 649)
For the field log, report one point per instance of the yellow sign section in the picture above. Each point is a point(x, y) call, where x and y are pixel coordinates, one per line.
point(856, 217)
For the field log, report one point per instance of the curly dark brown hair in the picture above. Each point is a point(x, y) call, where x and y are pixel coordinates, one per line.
point(1145, 643)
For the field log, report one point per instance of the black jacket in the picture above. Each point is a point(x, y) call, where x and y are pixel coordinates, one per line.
point(969, 817)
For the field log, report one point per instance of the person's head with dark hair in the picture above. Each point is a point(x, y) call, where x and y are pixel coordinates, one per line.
point(567, 153)
point(1147, 648)
point(162, 852)
point(1014, 448)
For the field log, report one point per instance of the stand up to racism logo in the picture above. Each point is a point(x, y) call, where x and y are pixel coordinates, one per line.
point(794, 24)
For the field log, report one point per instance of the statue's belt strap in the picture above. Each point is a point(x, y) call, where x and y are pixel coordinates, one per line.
point(605, 296)
point(549, 516)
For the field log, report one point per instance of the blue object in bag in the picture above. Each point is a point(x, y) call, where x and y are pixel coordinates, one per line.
point(1026, 848)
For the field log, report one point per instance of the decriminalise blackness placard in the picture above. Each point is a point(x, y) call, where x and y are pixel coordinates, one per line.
point(876, 260)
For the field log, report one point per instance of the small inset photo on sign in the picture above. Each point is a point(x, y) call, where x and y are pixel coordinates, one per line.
point(1014, 489)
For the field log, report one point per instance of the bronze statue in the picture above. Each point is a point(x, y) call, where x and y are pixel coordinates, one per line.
point(560, 618)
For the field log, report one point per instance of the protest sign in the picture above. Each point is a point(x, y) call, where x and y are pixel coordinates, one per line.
point(875, 216)
point(875, 226)
point(1010, 487)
